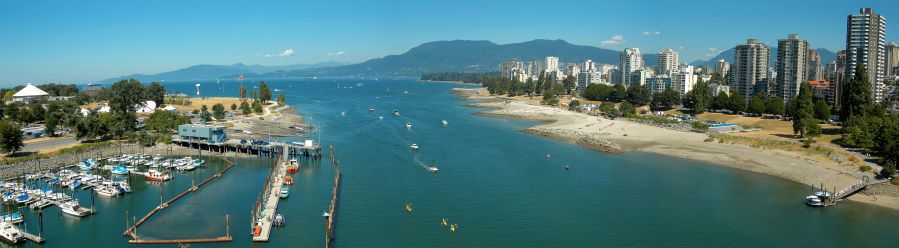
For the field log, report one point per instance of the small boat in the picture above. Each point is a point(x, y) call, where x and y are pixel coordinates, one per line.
point(454, 227)
point(10, 234)
point(293, 166)
point(414, 147)
point(342, 113)
point(74, 209)
point(396, 113)
point(155, 175)
point(565, 167)
point(12, 217)
point(285, 191)
point(107, 190)
point(408, 124)
point(813, 201)
point(123, 186)
point(408, 207)
point(433, 169)
point(405, 92)
point(372, 109)
point(380, 117)
point(23, 198)
point(119, 170)
point(279, 220)
point(288, 180)
point(199, 162)
point(445, 123)
point(443, 222)
point(277, 90)
point(549, 156)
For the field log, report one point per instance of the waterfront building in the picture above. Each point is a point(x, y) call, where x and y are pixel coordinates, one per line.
point(668, 61)
point(30, 92)
point(202, 133)
point(750, 67)
point(683, 80)
point(631, 60)
point(865, 44)
point(792, 58)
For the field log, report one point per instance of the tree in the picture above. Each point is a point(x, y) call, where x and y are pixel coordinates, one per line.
point(736, 103)
point(204, 113)
point(857, 94)
point(720, 101)
point(638, 95)
point(257, 107)
point(529, 86)
point(618, 93)
point(36, 108)
point(124, 97)
point(233, 106)
point(774, 106)
point(756, 106)
point(597, 92)
point(665, 99)
point(281, 99)
point(574, 105)
point(608, 108)
point(626, 109)
point(265, 94)
point(90, 127)
point(243, 92)
point(699, 98)
point(804, 122)
point(822, 110)
point(549, 98)
point(245, 108)
point(165, 121)
point(156, 93)
point(569, 83)
point(218, 111)
point(10, 137)
point(791, 107)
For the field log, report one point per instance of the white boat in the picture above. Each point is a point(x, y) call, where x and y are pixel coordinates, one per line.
point(279, 220)
point(187, 167)
point(414, 147)
point(445, 123)
point(813, 201)
point(372, 109)
point(433, 169)
point(107, 191)
point(154, 175)
point(12, 217)
point(408, 124)
point(380, 117)
point(10, 234)
point(74, 209)
point(396, 113)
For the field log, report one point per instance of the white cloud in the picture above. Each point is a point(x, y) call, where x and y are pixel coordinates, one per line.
point(656, 33)
point(285, 53)
point(712, 52)
point(616, 39)
point(339, 53)
point(680, 48)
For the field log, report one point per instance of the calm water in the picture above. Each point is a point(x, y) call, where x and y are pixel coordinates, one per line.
point(494, 182)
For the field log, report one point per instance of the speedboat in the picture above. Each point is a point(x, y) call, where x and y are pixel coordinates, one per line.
point(372, 109)
point(279, 220)
point(119, 170)
point(380, 117)
point(285, 191)
point(155, 175)
point(408, 207)
point(199, 162)
point(74, 209)
point(10, 234)
point(433, 169)
point(396, 113)
point(187, 167)
point(414, 147)
point(12, 217)
point(445, 123)
point(408, 124)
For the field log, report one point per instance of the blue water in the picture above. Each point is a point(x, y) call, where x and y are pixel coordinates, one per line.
point(495, 182)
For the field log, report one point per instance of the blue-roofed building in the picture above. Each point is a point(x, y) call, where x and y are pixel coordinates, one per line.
point(202, 133)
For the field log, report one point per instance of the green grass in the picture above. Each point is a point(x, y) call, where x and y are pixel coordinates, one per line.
point(864, 168)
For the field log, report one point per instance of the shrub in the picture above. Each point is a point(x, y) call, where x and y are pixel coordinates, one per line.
point(864, 168)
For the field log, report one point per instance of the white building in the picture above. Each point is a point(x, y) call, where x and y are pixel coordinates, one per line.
point(722, 68)
point(552, 65)
point(572, 70)
point(792, 59)
point(631, 60)
point(668, 60)
point(683, 80)
point(586, 78)
point(28, 93)
point(588, 65)
point(865, 44)
point(750, 68)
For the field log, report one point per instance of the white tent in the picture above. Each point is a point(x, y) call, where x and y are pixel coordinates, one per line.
point(169, 108)
point(147, 107)
point(29, 92)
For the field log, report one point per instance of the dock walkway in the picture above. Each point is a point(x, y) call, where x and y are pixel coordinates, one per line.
point(270, 200)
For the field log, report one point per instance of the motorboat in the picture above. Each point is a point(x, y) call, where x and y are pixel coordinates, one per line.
point(396, 113)
point(445, 123)
point(123, 186)
point(10, 234)
point(12, 217)
point(106, 189)
point(119, 170)
point(279, 220)
point(155, 175)
point(433, 169)
point(814, 201)
point(443, 222)
point(74, 209)
point(199, 162)
point(414, 147)
point(453, 227)
point(372, 109)
point(408, 124)
point(408, 207)
point(380, 117)
point(187, 167)
point(285, 191)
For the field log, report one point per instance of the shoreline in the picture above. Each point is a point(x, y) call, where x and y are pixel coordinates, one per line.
point(449, 82)
point(606, 134)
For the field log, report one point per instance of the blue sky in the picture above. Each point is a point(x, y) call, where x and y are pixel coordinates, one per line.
point(80, 41)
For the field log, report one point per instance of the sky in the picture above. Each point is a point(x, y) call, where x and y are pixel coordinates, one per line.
point(85, 41)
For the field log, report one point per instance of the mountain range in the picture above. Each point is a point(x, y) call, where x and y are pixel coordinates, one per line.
point(437, 56)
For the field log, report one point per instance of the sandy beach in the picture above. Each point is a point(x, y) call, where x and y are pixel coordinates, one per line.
point(621, 136)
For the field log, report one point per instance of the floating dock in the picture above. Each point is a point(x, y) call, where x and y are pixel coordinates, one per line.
point(269, 205)
point(332, 210)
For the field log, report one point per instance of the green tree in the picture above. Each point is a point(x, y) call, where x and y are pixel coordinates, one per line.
point(243, 93)
point(857, 94)
point(124, 97)
point(529, 86)
point(665, 99)
point(233, 106)
point(156, 93)
point(822, 110)
point(791, 107)
point(608, 108)
point(699, 98)
point(569, 83)
point(638, 95)
point(737, 103)
point(10, 137)
point(265, 94)
point(618, 93)
point(204, 113)
point(774, 106)
point(804, 122)
point(597, 92)
point(90, 127)
point(257, 107)
point(720, 101)
point(549, 98)
point(281, 99)
point(36, 108)
point(756, 106)
point(165, 121)
point(627, 109)
point(218, 111)
point(245, 108)
point(574, 105)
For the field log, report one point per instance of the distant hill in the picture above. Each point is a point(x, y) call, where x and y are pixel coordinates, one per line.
point(218, 71)
point(728, 55)
point(465, 56)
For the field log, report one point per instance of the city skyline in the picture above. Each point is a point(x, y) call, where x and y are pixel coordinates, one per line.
point(97, 41)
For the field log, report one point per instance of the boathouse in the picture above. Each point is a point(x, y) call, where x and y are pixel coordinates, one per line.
point(202, 133)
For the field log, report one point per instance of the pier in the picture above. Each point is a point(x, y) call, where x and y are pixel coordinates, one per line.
point(132, 230)
point(265, 211)
point(332, 210)
point(852, 189)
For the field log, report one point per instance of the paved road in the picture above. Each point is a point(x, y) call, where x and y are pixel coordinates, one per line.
point(55, 142)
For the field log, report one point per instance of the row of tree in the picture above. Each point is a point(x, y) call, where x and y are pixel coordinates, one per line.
point(868, 125)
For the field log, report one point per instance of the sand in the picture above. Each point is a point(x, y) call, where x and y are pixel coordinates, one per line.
point(572, 126)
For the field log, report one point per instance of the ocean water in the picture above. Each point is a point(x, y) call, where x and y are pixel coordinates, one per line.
point(495, 183)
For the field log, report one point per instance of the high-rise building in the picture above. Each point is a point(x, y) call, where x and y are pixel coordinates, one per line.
point(668, 60)
point(658, 83)
point(572, 70)
point(535, 67)
point(823, 90)
point(750, 68)
point(815, 71)
point(552, 65)
point(722, 68)
point(892, 63)
point(588, 65)
point(683, 80)
point(792, 58)
point(631, 60)
point(586, 78)
point(839, 74)
point(510, 68)
point(865, 44)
